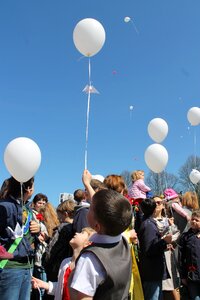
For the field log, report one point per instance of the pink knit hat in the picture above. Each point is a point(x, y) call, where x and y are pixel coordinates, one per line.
point(170, 194)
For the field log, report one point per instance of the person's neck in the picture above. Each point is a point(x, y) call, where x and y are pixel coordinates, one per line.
point(157, 215)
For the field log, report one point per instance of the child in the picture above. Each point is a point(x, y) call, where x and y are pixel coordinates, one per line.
point(60, 288)
point(97, 268)
point(189, 257)
point(138, 189)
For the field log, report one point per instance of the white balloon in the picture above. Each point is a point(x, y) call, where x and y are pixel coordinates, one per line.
point(156, 157)
point(131, 107)
point(158, 129)
point(22, 158)
point(127, 19)
point(194, 176)
point(89, 36)
point(193, 116)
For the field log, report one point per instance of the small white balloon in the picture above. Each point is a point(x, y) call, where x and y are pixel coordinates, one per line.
point(158, 129)
point(193, 116)
point(127, 19)
point(131, 107)
point(89, 36)
point(98, 177)
point(156, 157)
point(194, 176)
point(22, 158)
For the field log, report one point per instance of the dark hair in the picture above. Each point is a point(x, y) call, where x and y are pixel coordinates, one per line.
point(148, 206)
point(79, 195)
point(12, 187)
point(196, 213)
point(39, 197)
point(112, 210)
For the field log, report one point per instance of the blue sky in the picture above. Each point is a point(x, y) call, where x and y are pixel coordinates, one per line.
point(42, 77)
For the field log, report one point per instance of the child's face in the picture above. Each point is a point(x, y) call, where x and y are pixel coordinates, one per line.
point(141, 175)
point(195, 223)
point(80, 239)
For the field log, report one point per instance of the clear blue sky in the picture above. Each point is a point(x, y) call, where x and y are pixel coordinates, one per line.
point(42, 77)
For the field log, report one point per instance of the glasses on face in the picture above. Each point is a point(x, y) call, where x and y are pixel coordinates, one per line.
point(159, 202)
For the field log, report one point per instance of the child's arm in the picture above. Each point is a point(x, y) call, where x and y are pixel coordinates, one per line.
point(180, 211)
point(86, 178)
point(142, 186)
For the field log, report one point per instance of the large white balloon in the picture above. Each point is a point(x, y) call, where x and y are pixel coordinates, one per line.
point(193, 116)
point(22, 158)
point(89, 36)
point(156, 157)
point(194, 176)
point(158, 129)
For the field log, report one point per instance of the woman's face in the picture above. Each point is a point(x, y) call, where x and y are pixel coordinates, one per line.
point(39, 204)
point(159, 204)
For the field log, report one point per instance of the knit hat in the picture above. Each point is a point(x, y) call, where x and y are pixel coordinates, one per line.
point(170, 194)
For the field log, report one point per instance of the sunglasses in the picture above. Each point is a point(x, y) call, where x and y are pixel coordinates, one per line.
point(159, 202)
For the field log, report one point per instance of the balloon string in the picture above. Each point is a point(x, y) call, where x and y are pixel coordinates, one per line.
point(195, 143)
point(21, 191)
point(88, 113)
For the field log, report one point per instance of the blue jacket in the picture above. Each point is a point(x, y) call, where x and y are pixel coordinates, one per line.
point(152, 263)
point(10, 214)
point(189, 256)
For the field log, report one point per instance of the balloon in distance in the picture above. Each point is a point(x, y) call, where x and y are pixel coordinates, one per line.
point(193, 116)
point(194, 176)
point(89, 36)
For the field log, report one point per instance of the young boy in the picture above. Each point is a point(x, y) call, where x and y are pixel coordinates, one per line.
point(60, 288)
point(103, 269)
point(189, 257)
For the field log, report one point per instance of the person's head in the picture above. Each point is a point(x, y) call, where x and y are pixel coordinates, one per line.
point(148, 207)
point(79, 195)
point(11, 187)
point(115, 182)
point(109, 213)
point(39, 201)
point(50, 218)
point(190, 200)
point(195, 220)
point(171, 194)
point(65, 211)
point(81, 239)
point(159, 205)
point(138, 174)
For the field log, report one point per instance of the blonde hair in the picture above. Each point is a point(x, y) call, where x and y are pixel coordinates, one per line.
point(50, 218)
point(67, 206)
point(135, 175)
point(190, 200)
point(89, 230)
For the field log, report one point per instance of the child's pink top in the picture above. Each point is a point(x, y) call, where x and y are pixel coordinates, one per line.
point(138, 189)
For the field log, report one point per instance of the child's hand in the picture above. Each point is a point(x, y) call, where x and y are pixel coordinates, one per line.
point(133, 236)
point(37, 283)
point(86, 177)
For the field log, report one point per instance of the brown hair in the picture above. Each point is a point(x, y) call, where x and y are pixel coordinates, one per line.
point(39, 197)
point(190, 200)
point(67, 206)
point(112, 210)
point(50, 218)
point(196, 213)
point(115, 182)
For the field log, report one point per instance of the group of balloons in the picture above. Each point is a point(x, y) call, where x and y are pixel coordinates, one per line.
point(156, 156)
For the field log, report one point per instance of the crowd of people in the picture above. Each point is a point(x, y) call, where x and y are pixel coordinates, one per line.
point(109, 242)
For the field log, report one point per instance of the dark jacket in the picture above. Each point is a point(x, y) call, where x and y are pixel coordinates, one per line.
point(152, 263)
point(189, 256)
point(80, 218)
point(10, 214)
point(116, 260)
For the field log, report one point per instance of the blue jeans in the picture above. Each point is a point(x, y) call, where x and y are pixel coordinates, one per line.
point(15, 284)
point(194, 290)
point(152, 290)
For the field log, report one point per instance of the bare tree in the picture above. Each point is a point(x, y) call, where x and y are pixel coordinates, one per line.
point(127, 177)
point(192, 162)
point(158, 182)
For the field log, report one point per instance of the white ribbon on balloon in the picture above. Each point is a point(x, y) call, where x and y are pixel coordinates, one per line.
point(88, 113)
